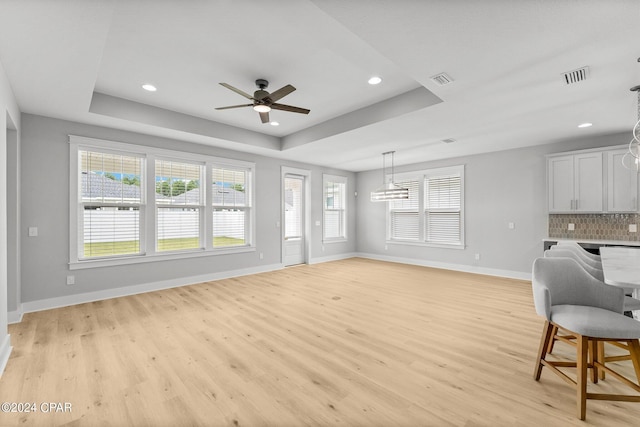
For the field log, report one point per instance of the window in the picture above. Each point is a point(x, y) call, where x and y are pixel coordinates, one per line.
point(404, 215)
point(334, 208)
point(433, 214)
point(179, 205)
point(231, 206)
point(197, 205)
point(293, 207)
point(443, 209)
point(111, 204)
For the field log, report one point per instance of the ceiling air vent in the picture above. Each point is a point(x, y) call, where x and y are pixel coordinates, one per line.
point(442, 79)
point(575, 76)
point(448, 140)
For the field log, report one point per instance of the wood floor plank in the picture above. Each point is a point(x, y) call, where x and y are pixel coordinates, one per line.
point(353, 343)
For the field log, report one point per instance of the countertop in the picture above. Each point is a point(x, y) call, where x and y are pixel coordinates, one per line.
point(597, 242)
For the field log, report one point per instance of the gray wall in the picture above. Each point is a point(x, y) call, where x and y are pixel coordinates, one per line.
point(500, 187)
point(9, 143)
point(13, 220)
point(45, 204)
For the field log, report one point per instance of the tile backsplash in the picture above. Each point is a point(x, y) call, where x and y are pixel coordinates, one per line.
point(594, 226)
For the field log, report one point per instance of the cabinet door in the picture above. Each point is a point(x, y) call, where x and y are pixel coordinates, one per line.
point(622, 184)
point(560, 182)
point(588, 182)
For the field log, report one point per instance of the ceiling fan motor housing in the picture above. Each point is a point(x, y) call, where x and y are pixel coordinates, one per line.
point(260, 94)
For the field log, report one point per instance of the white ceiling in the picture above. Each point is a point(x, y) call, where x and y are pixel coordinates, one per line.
point(86, 61)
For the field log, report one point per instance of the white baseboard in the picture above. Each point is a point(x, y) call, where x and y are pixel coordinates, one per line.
point(5, 352)
point(329, 258)
point(64, 301)
point(15, 316)
point(448, 266)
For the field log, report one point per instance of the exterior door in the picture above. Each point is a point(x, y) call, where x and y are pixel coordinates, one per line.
point(294, 238)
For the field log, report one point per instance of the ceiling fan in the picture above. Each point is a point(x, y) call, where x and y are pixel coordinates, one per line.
point(263, 101)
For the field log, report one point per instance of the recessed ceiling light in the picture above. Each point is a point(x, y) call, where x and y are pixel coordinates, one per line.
point(585, 125)
point(150, 88)
point(275, 124)
point(375, 80)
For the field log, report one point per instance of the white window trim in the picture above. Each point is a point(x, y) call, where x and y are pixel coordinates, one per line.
point(77, 143)
point(343, 180)
point(420, 176)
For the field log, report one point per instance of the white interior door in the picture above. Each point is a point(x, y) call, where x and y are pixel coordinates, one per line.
point(294, 226)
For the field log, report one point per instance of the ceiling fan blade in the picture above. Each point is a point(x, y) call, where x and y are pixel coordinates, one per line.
point(281, 93)
point(236, 90)
point(290, 108)
point(234, 106)
point(264, 117)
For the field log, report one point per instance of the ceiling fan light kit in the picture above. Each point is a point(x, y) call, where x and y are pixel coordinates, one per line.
point(263, 101)
point(261, 108)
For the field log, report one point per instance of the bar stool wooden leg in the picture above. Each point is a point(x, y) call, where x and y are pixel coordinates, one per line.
point(593, 359)
point(552, 341)
point(581, 386)
point(547, 335)
point(600, 350)
point(634, 352)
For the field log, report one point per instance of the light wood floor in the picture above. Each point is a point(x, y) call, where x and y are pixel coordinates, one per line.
point(350, 343)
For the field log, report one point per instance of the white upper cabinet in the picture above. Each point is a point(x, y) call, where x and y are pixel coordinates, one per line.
point(622, 184)
point(591, 181)
point(576, 183)
point(560, 184)
point(588, 182)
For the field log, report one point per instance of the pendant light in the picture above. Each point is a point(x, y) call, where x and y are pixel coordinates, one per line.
point(631, 159)
point(388, 190)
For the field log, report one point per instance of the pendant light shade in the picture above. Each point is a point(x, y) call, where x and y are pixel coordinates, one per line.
point(388, 190)
point(631, 159)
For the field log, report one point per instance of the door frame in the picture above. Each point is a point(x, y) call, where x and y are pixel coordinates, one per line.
point(286, 170)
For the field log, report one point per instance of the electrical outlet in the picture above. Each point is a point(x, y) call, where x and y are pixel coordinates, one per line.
point(633, 228)
point(512, 225)
point(33, 231)
point(571, 227)
point(71, 280)
point(261, 255)
point(477, 257)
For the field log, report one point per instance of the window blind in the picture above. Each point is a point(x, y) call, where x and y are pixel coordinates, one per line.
point(334, 210)
point(443, 195)
point(293, 208)
point(231, 207)
point(110, 203)
point(404, 214)
point(178, 203)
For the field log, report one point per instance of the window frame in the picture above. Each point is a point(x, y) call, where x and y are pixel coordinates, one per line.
point(421, 177)
point(148, 220)
point(343, 180)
